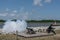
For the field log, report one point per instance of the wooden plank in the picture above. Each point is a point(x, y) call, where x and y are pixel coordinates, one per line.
point(34, 35)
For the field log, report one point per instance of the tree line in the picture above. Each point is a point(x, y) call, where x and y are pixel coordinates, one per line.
point(36, 20)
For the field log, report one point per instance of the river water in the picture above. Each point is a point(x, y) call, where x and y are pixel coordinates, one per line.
point(36, 24)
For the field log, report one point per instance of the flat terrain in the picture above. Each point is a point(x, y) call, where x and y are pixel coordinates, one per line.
point(15, 37)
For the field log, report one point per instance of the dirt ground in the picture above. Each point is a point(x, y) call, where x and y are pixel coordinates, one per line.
point(15, 37)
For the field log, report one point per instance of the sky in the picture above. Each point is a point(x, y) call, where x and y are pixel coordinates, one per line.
point(30, 9)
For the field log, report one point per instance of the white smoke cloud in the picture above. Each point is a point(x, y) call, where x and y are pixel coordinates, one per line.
point(40, 2)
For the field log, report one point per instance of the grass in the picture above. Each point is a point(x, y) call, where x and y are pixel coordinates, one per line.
point(13, 37)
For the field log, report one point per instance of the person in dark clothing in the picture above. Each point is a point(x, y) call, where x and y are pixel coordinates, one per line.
point(51, 29)
point(30, 31)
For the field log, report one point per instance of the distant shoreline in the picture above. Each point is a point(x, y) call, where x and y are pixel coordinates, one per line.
point(1, 20)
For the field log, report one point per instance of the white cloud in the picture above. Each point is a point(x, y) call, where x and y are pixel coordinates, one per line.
point(14, 11)
point(40, 2)
point(7, 9)
point(8, 14)
point(22, 9)
point(25, 16)
point(48, 1)
point(12, 14)
point(3, 14)
point(19, 14)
